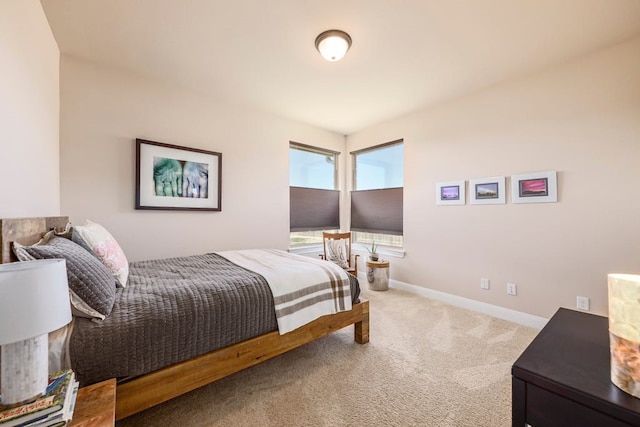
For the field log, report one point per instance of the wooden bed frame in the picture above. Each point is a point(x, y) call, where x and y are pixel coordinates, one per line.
point(159, 386)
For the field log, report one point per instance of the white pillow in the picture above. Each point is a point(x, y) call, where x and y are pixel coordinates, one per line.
point(337, 252)
point(96, 239)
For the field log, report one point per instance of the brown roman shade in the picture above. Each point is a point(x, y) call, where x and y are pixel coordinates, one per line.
point(313, 209)
point(377, 211)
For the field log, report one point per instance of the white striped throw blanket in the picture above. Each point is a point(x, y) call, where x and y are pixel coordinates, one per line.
point(303, 288)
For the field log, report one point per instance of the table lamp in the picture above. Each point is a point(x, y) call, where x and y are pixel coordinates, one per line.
point(34, 300)
point(624, 331)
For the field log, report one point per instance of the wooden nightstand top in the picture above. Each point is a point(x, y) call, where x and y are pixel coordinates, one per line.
point(95, 405)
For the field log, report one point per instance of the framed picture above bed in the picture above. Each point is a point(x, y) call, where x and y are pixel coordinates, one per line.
point(172, 177)
point(539, 187)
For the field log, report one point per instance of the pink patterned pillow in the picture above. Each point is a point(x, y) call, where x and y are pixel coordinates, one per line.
point(101, 243)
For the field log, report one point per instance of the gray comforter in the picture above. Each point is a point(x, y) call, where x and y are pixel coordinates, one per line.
point(173, 310)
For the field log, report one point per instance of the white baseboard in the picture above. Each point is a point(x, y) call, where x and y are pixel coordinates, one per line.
point(481, 307)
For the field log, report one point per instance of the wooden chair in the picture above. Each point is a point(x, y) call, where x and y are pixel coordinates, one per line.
point(337, 248)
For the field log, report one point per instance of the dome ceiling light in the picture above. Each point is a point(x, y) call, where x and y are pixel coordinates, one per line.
point(333, 44)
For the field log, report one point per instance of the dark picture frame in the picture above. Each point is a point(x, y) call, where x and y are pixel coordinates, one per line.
point(173, 177)
point(450, 192)
point(487, 191)
point(537, 187)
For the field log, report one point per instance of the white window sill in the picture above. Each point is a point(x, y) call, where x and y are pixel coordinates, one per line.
point(391, 252)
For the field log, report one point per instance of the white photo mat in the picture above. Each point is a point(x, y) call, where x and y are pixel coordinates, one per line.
point(450, 193)
point(487, 191)
point(538, 187)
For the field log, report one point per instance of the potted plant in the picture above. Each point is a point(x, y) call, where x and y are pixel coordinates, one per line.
point(373, 255)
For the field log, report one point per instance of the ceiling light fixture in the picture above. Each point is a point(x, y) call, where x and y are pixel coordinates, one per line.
point(333, 44)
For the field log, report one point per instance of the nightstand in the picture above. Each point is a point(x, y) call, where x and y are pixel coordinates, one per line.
point(95, 405)
point(563, 378)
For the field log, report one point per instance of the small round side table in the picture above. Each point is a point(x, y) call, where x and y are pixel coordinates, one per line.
point(378, 275)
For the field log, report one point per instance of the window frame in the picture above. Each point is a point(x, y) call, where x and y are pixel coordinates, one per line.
point(317, 150)
point(313, 237)
point(363, 237)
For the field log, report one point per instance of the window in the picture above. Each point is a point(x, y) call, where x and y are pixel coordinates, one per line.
point(313, 196)
point(377, 199)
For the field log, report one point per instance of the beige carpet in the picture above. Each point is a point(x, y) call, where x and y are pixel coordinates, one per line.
point(428, 364)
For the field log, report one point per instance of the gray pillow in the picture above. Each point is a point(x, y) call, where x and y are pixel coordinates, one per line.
point(91, 285)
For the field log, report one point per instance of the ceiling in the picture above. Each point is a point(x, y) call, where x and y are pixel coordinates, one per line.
point(406, 54)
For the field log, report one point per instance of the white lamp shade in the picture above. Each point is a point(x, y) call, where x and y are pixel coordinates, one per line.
point(333, 44)
point(624, 331)
point(34, 299)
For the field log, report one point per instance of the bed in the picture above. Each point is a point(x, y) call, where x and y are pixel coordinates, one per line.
point(191, 361)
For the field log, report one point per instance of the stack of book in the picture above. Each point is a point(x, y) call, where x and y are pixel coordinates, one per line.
point(53, 409)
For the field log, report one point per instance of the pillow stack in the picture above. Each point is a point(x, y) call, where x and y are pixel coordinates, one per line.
point(95, 266)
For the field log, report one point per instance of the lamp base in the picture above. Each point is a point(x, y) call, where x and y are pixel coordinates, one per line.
point(625, 364)
point(25, 370)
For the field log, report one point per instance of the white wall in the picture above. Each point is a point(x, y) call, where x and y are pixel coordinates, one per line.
point(29, 112)
point(105, 110)
point(581, 119)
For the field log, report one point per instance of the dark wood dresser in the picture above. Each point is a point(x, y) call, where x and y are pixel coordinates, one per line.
point(563, 378)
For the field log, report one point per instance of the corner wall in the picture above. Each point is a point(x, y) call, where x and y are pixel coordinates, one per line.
point(581, 119)
point(103, 112)
point(29, 112)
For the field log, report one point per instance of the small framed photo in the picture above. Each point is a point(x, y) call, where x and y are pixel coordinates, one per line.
point(487, 191)
point(171, 177)
point(539, 187)
point(450, 193)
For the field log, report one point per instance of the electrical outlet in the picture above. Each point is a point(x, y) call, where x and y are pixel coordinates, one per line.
point(512, 289)
point(484, 283)
point(582, 303)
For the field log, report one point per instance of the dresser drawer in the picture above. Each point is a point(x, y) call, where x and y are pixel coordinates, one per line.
point(546, 409)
